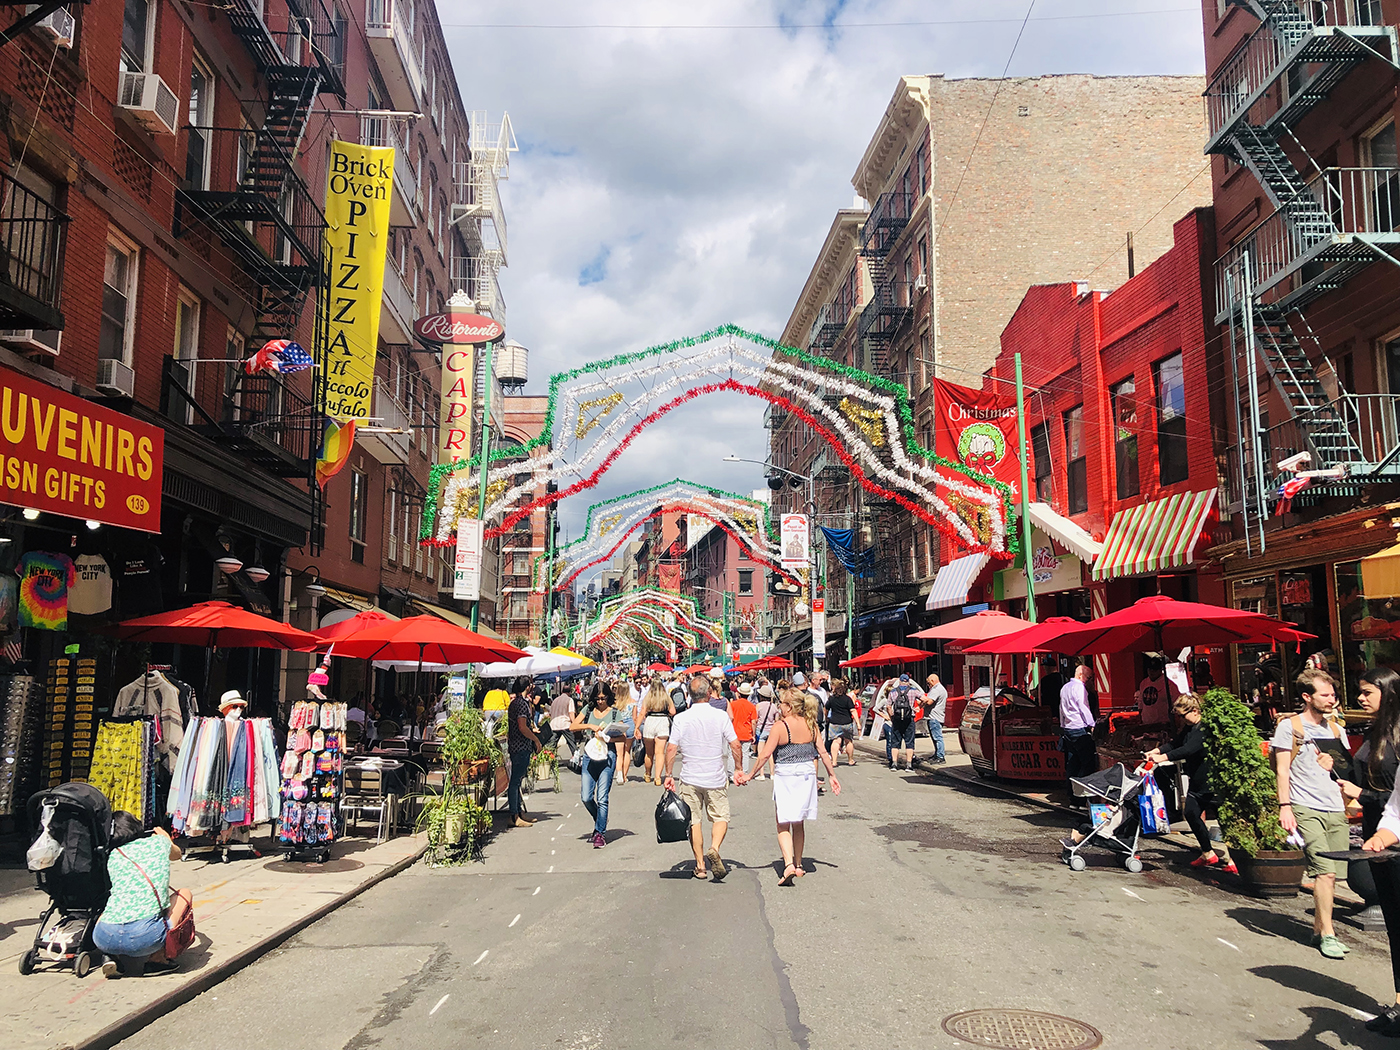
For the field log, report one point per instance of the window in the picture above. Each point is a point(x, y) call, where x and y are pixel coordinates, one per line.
point(359, 509)
point(1040, 453)
point(118, 301)
point(923, 255)
point(1123, 397)
point(417, 547)
point(33, 267)
point(234, 348)
point(391, 546)
point(201, 121)
point(745, 581)
point(1077, 468)
point(138, 36)
point(1378, 150)
point(186, 351)
point(520, 563)
point(1171, 420)
point(519, 606)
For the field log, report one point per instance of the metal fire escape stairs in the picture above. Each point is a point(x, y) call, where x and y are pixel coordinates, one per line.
point(1307, 248)
point(883, 315)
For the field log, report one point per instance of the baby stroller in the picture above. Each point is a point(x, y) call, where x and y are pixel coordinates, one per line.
point(76, 881)
point(1116, 823)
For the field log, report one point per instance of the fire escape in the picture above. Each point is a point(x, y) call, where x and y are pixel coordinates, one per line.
point(269, 221)
point(889, 298)
point(1328, 224)
point(478, 216)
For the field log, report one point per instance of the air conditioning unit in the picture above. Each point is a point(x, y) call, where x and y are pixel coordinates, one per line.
point(58, 26)
point(116, 378)
point(150, 102)
point(33, 340)
point(921, 283)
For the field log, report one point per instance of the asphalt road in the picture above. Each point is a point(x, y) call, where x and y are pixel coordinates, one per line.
point(921, 900)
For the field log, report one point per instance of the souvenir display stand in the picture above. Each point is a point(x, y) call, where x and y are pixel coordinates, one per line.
point(313, 781)
point(225, 782)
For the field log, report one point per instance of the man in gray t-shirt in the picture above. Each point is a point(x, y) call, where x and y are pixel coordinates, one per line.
point(1306, 747)
point(935, 709)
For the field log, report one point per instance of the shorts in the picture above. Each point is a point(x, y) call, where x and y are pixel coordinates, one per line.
point(654, 726)
point(714, 800)
point(1322, 831)
point(846, 732)
point(138, 939)
point(900, 736)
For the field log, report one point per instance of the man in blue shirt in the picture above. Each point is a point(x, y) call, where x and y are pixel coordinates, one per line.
point(1077, 727)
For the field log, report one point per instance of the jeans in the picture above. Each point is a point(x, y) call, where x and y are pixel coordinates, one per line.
point(519, 766)
point(935, 732)
point(597, 782)
point(137, 939)
point(747, 752)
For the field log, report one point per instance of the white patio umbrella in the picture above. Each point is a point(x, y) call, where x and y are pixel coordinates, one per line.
point(539, 662)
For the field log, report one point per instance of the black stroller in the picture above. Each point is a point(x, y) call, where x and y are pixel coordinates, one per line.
point(1116, 823)
point(76, 882)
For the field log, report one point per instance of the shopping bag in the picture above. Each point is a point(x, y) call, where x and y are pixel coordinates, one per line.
point(1152, 808)
point(46, 849)
point(639, 752)
point(672, 818)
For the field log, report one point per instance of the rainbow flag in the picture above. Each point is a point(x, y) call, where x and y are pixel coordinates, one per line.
point(336, 443)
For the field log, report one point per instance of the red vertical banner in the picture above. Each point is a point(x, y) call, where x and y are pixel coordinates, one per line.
point(977, 429)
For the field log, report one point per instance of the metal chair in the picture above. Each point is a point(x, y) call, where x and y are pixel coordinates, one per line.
point(366, 792)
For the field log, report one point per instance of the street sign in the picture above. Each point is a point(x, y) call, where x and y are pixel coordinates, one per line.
point(794, 539)
point(819, 630)
point(466, 580)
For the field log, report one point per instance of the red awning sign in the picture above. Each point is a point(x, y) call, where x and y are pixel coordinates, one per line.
point(458, 329)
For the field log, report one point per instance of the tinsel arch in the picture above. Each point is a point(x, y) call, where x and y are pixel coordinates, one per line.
point(595, 411)
point(611, 521)
point(652, 611)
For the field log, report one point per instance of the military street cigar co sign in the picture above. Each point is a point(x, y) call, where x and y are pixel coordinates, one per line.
point(458, 334)
point(69, 456)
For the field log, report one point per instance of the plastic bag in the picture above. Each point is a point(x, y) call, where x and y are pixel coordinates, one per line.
point(46, 850)
point(1152, 808)
point(672, 818)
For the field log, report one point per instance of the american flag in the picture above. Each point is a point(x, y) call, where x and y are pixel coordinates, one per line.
point(281, 356)
point(12, 651)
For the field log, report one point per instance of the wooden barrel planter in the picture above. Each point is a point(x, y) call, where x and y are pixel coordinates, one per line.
point(1271, 873)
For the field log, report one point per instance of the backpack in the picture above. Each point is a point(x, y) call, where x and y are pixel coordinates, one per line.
point(680, 698)
point(902, 708)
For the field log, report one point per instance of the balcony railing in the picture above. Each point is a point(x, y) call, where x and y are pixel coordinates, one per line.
point(389, 414)
point(305, 34)
point(380, 128)
point(389, 28)
point(886, 220)
point(479, 197)
point(267, 419)
point(829, 324)
point(1362, 204)
point(887, 310)
point(1340, 32)
point(400, 310)
point(32, 233)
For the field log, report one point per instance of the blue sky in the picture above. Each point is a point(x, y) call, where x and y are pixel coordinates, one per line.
point(680, 163)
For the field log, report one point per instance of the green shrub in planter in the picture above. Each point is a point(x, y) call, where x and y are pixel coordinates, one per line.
point(1242, 779)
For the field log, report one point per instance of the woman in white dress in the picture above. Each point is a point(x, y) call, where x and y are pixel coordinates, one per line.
point(795, 746)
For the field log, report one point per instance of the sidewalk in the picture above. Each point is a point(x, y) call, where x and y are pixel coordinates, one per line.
point(242, 910)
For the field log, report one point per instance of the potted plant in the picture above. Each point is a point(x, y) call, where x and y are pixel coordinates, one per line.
point(545, 766)
point(469, 749)
point(1246, 795)
point(456, 825)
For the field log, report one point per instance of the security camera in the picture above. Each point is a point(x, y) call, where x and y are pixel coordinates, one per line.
point(1295, 463)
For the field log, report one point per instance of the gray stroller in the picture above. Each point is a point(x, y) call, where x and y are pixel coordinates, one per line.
point(1115, 830)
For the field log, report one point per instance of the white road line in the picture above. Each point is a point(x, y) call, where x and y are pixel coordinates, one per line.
point(1227, 944)
point(549, 872)
point(537, 890)
point(513, 921)
point(439, 1003)
point(559, 828)
point(569, 814)
point(482, 956)
point(551, 853)
point(1130, 893)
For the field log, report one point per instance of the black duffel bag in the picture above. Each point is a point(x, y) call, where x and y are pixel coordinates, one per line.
point(672, 818)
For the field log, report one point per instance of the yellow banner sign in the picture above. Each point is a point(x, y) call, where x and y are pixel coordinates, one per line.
point(358, 186)
point(458, 393)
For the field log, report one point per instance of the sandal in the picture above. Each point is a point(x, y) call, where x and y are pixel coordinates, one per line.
point(701, 873)
point(799, 870)
point(788, 876)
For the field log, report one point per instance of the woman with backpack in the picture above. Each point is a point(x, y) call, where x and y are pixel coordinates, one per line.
point(768, 713)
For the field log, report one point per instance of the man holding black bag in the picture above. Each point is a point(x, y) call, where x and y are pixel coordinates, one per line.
point(700, 735)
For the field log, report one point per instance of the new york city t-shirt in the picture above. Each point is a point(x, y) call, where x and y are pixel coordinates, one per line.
point(44, 580)
point(91, 595)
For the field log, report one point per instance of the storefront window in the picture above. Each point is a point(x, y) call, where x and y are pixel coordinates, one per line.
point(1261, 666)
point(1125, 445)
point(1370, 624)
point(1076, 472)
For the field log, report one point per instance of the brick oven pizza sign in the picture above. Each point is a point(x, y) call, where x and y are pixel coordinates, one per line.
point(977, 429)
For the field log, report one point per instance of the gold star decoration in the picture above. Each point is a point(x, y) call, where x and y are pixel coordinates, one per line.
point(608, 524)
point(870, 421)
point(604, 405)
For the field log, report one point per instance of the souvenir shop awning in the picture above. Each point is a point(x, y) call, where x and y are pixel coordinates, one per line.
point(1380, 573)
point(1065, 532)
point(953, 581)
point(1160, 534)
point(457, 618)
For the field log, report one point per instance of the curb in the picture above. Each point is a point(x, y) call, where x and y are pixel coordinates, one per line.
point(177, 997)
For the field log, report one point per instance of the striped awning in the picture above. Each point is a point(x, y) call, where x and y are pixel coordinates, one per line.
point(1161, 534)
point(953, 581)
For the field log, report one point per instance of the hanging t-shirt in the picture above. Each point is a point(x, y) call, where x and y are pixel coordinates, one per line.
point(44, 580)
point(138, 575)
point(1155, 696)
point(9, 601)
point(92, 593)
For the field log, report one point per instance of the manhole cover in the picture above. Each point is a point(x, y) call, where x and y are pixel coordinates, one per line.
point(1021, 1030)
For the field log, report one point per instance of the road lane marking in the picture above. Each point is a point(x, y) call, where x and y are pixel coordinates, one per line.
point(439, 1004)
point(1130, 893)
point(549, 872)
point(551, 853)
point(537, 890)
point(513, 921)
point(560, 827)
point(482, 956)
point(1227, 944)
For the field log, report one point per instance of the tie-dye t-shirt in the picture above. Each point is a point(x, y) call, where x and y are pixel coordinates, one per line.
point(44, 579)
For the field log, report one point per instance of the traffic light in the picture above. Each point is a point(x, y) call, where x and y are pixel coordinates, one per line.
point(780, 584)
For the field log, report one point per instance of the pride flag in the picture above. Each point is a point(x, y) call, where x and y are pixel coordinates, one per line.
point(336, 443)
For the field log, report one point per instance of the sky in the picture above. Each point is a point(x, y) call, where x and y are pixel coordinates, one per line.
point(681, 162)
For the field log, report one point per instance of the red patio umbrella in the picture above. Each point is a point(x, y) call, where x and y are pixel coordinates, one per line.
point(426, 639)
point(215, 625)
point(1165, 625)
point(888, 654)
point(698, 669)
point(659, 667)
point(769, 663)
point(1028, 640)
point(353, 625)
point(989, 623)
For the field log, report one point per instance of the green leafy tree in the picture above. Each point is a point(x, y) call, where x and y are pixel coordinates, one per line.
point(1241, 777)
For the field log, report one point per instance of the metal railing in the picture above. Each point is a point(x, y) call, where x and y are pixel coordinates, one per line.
point(479, 195)
point(32, 237)
point(1356, 200)
point(380, 128)
point(830, 322)
point(270, 406)
point(888, 216)
point(385, 18)
point(888, 308)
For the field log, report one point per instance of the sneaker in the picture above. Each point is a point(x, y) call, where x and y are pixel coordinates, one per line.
point(717, 865)
point(1331, 947)
point(598, 840)
point(1384, 1019)
point(893, 767)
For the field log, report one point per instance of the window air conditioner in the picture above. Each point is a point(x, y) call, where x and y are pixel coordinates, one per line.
point(115, 378)
point(921, 283)
point(33, 340)
point(150, 102)
point(58, 26)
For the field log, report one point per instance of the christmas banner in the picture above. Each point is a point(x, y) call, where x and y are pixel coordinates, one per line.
point(978, 430)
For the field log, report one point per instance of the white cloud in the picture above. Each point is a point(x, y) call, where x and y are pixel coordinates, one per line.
point(673, 179)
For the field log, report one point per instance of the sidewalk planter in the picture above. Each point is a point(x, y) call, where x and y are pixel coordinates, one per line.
point(1271, 873)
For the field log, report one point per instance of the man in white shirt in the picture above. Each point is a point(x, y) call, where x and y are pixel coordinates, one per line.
point(1077, 727)
point(1155, 695)
point(935, 710)
point(700, 734)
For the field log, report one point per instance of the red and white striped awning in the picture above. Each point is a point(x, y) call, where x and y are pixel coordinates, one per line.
point(1160, 534)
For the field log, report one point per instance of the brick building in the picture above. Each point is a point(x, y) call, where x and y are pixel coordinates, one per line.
point(926, 278)
point(1301, 104)
point(521, 618)
point(729, 586)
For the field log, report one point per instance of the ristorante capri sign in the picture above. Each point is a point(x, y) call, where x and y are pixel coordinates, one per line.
point(458, 329)
point(69, 456)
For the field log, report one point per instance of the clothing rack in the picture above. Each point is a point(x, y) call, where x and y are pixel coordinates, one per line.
point(313, 780)
point(222, 787)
